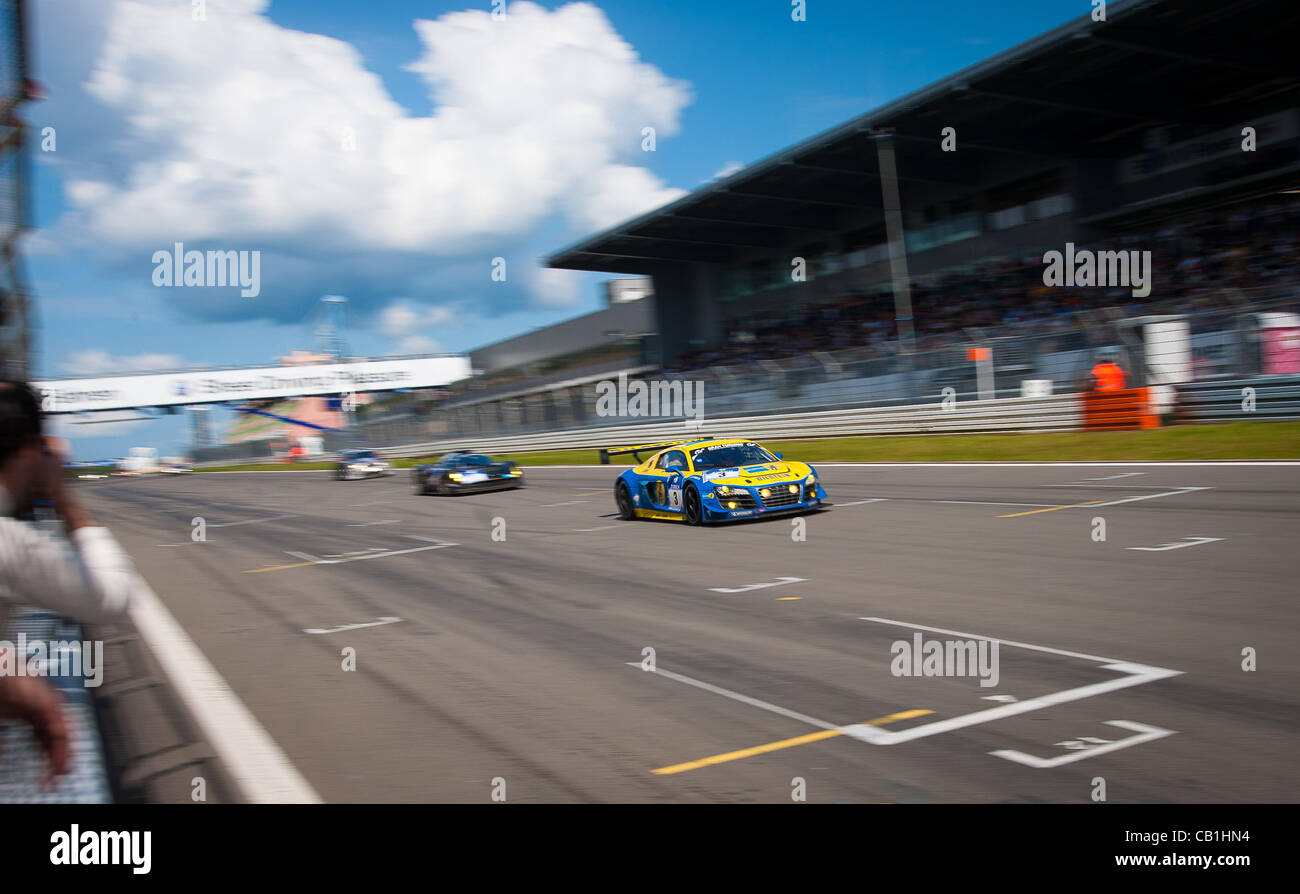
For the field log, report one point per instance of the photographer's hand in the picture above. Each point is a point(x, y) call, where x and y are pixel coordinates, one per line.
point(38, 704)
point(50, 485)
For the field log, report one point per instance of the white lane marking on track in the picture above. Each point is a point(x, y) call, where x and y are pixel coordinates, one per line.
point(1145, 734)
point(1168, 493)
point(718, 690)
point(1190, 541)
point(992, 503)
point(862, 502)
point(601, 528)
point(775, 583)
point(387, 521)
point(1005, 642)
point(1113, 477)
point(1110, 486)
point(252, 521)
point(379, 623)
point(258, 766)
point(382, 554)
point(1136, 675)
point(566, 503)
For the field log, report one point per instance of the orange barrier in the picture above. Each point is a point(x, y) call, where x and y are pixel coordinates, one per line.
point(1115, 410)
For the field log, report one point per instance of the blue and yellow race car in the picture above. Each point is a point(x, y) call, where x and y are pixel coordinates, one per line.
point(713, 480)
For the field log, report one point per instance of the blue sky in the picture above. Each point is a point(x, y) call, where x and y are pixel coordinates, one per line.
point(471, 143)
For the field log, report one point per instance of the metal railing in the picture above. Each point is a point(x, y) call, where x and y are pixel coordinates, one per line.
point(1238, 400)
point(1055, 413)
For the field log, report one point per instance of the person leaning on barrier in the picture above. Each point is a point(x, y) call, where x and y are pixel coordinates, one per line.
point(86, 576)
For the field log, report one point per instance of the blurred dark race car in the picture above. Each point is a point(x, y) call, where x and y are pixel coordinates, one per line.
point(465, 471)
point(360, 463)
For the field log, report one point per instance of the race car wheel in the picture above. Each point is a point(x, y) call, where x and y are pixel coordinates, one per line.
point(624, 501)
point(693, 510)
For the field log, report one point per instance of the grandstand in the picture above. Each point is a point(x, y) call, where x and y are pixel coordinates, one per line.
point(1124, 133)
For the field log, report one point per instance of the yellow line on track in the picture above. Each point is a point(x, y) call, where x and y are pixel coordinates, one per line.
point(1053, 509)
point(279, 567)
point(784, 743)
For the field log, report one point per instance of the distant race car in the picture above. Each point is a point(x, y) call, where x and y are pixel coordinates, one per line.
point(705, 481)
point(358, 463)
point(465, 471)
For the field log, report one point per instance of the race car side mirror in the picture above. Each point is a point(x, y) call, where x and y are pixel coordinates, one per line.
point(779, 455)
point(674, 469)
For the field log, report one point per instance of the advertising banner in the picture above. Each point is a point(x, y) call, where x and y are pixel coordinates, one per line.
point(220, 386)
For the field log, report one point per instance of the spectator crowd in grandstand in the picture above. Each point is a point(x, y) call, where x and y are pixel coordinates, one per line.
point(1197, 263)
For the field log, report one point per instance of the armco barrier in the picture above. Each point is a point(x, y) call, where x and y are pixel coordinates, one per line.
point(1055, 413)
point(1263, 397)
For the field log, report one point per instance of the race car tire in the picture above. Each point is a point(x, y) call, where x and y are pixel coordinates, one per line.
point(692, 508)
point(623, 499)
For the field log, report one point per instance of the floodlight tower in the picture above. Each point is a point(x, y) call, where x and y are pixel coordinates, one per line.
point(329, 333)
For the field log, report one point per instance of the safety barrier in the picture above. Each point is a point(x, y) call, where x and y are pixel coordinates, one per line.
point(1055, 413)
point(1265, 397)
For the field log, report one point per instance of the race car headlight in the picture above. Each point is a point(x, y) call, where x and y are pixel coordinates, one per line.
point(765, 493)
point(516, 473)
point(794, 488)
point(723, 490)
point(455, 476)
point(731, 505)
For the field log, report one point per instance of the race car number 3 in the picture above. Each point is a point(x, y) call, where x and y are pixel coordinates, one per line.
point(675, 497)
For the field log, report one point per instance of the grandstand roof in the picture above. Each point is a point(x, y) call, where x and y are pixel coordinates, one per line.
point(1083, 90)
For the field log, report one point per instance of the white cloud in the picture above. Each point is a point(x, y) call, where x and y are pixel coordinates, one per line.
point(555, 288)
point(98, 362)
point(234, 133)
point(615, 193)
point(727, 170)
point(401, 322)
point(417, 344)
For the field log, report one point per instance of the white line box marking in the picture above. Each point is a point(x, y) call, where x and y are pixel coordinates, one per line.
point(1088, 746)
point(1133, 675)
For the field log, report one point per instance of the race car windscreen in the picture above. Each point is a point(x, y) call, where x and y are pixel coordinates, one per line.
point(724, 456)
